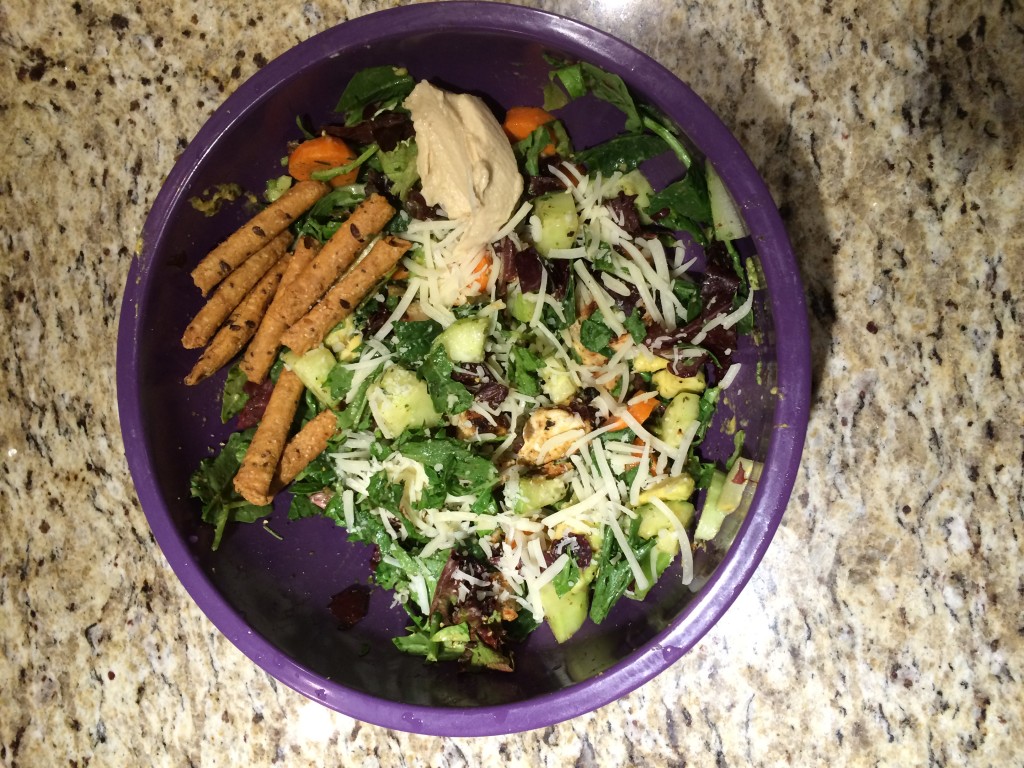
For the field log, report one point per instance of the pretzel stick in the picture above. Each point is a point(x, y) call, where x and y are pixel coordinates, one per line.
point(241, 325)
point(306, 248)
point(230, 293)
point(263, 348)
point(334, 258)
point(253, 478)
point(346, 294)
point(256, 233)
point(309, 443)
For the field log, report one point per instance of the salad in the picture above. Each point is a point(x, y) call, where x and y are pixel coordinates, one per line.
point(489, 353)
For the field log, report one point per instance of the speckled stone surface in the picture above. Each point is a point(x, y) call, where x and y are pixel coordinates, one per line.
point(884, 627)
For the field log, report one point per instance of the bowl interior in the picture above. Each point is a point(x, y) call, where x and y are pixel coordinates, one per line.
point(270, 594)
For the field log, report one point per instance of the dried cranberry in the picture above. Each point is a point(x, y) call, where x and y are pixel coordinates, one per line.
point(254, 408)
point(350, 605)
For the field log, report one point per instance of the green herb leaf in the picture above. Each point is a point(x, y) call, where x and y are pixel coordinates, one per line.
point(329, 173)
point(447, 395)
point(529, 149)
point(325, 217)
point(623, 153)
point(614, 574)
point(233, 398)
point(686, 204)
point(567, 578)
point(399, 165)
point(339, 381)
point(595, 335)
point(688, 294)
point(635, 325)
point(581, 78)
point(376, 86)
point(522, 365)
point(413, 340)
point(212, 483)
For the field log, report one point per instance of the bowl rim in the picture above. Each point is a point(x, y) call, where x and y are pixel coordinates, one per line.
point(792, 341)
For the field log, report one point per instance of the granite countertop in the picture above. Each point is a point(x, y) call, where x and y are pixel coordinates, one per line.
point(884, 626)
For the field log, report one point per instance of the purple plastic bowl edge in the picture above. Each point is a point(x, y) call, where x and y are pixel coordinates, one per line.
point(793, 358)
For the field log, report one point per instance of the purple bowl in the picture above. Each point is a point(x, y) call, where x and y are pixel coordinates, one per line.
point(270, 596)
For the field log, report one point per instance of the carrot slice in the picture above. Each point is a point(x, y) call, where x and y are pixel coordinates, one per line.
point(481, 272)
point(640, 411)
point(520, 122)
point(322, 154)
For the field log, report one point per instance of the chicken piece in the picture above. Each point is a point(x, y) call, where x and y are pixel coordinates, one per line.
point(549, 434)
point(471, 424)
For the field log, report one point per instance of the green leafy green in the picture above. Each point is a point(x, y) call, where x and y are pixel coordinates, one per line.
point(686, 204)
point(581, 78)
point(329, 173)
point(319, 475)
point(635, 325)
point(413, 340)
point(399, 165)
point(325, 217)
point(234, 397)
point(529, 149)
point(705, 412)
point(447, 395)
point(522, 365)
point(452, 468)
point(688, 294)
point(356, 416)
point(212, 483)
point(595, 335)
point(339, 381)
point(613, 572)
point(669, 136)
point(376, 86)
point(623, 153)
point(700, 471)
point(567, 578)
point(737, 448)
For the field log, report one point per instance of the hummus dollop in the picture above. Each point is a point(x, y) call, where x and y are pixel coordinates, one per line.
point(465, 163)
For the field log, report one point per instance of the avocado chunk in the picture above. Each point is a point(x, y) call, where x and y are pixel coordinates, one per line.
point(678, 488)
point(558, 220)
point(711, 516)
point(669, 385)
point(313, 368)
point(537, 492)
point(725, 215)
point(566, 613)
point(522, 305)
point(465, 339)
point(399, 400)
point(679, 415)
point(653, 520)
point(736, 480)
point(557, 382)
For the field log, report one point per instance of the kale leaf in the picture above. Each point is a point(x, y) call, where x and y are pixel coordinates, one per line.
point(376, 86)
point(212, 483)
point(234, 397)
point(447, 395)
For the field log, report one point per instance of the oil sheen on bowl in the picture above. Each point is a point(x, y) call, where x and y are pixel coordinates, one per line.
point(270, 596)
